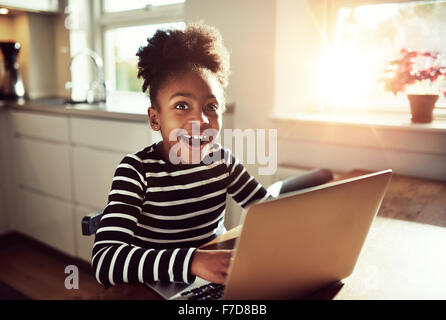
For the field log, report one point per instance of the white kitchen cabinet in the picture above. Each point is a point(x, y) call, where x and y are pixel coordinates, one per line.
point(38, 125)
point(98, 146)
point(84, 244)
point(34, 5)
point(40, 157)
point(42, 150)
point(44, 166)
point(63, 166)
point(3, 171)
point(93, 171)
point(48, 220)
point(121, 136)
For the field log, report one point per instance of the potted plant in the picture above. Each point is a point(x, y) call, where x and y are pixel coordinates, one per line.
point(422, 76)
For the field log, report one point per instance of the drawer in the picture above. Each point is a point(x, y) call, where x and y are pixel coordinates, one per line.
point(124, 136)
point(41, 126)
point(93, 175)
point(44, 166)
point(48, 220)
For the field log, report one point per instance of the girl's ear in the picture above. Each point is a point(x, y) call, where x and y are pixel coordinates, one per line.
point(154, 118)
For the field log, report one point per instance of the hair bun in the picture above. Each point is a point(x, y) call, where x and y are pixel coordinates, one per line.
point(170, 50)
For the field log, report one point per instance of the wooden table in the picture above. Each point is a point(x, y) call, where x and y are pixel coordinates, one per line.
point(399, 260)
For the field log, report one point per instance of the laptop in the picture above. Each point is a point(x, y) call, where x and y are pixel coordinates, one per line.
point(291, 246)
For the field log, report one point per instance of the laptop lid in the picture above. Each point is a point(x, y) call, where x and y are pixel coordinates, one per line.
point(291, 246)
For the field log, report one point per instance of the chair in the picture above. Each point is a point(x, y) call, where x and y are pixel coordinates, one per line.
point(90, 223)
point(312, 178)
point(305, 180)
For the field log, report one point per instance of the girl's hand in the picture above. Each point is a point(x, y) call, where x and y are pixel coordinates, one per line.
point(212, 265)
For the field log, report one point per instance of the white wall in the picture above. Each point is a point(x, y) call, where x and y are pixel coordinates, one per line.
point(44, 55)
point(299, 46)
point(16, 28)
point(42, 74)
point(6, 28)
point(37, 58)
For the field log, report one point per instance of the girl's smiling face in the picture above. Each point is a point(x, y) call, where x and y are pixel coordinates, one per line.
point(190, 115)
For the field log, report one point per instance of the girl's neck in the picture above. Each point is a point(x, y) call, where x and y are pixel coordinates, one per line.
point(163, 151)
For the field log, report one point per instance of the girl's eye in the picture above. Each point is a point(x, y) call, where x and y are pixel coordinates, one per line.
point(182, 106)
point(211, 107)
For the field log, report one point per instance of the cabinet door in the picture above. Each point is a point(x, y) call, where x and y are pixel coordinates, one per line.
point(93, 175)
point(121, 136)
point(49, 220)
point(44, 166)
point(84, 244)
point(37, 125)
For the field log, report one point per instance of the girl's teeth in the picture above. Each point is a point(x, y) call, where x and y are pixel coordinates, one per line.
point(201, 139)
point(197, 137)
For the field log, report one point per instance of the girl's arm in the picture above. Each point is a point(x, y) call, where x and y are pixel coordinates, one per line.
point(243, 187)
point(114, 259)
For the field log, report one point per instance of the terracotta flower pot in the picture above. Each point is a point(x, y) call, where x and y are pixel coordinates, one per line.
point(422, 106)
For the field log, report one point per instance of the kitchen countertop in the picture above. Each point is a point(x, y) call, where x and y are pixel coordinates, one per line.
point(129, 112)
point(99, 110)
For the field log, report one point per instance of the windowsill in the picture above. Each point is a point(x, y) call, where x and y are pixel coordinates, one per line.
point(386, 120)
point(375, 141)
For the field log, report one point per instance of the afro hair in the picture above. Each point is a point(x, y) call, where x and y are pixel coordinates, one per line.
point(169, 52)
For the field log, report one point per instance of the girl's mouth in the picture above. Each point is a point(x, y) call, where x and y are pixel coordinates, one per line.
point(196, 141)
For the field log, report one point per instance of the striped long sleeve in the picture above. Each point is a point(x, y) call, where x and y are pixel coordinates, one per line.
point(243, 188)
point(159, 213)
point(115, 257)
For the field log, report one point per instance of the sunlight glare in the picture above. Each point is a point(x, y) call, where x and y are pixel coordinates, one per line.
point(371, 16)
point(345, 78)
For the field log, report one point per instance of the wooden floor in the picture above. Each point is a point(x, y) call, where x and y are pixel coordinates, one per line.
point(38, 272)
point(32, 270)
point(413, 199)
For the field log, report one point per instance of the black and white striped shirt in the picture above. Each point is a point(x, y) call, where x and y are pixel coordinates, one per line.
point(159, 213)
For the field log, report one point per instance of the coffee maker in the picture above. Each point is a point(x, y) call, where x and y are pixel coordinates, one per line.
point(11, 84)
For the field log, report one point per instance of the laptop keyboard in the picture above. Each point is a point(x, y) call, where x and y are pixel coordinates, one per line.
point(210, 291)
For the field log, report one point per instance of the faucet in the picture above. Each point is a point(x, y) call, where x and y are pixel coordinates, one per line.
point(97, 90)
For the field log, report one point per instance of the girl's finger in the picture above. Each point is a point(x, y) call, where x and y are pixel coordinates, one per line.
point(226, 263)
point(221, 277)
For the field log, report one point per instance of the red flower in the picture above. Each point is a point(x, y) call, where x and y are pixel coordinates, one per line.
point(402, 72)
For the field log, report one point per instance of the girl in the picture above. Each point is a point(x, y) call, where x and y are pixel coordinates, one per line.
point(169, 198)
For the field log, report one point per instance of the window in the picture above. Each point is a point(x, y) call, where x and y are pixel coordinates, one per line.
point(365, 38)
point(115, 29)
point(121, 60)
point(125, 26)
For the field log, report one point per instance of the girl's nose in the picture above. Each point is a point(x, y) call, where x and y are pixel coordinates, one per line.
point(201, 117)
